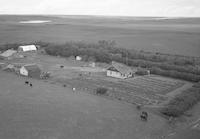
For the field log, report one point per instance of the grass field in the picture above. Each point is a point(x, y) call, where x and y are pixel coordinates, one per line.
point(174, 36)
point(48, 111)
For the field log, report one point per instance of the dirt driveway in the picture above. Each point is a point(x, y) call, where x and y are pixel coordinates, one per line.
point(48, 111)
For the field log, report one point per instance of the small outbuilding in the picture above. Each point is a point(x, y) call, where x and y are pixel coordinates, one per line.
point(78, 58)
point(30, 70)
point(26, 48)
point(119, 70)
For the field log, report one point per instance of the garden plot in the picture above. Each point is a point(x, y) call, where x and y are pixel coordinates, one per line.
point(140, 90)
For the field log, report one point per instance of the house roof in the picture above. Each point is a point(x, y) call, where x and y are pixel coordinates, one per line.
point(8, 53)
point(120, 68)
point(28, 47)
point(32, 67)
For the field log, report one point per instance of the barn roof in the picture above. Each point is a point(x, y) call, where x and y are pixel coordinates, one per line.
point(8, 53)
point(120, 68)
point(28, 47)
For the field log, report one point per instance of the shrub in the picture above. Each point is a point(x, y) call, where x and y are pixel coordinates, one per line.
point(181, 67)
point(182, 102)
point(197, 85)
point(175, 74)
point(141, 71)
point(101, 91)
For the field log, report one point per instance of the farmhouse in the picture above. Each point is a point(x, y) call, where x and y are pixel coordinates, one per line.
point(7, 54)
point(26, 48)
point(30, 70)
point(118, 70)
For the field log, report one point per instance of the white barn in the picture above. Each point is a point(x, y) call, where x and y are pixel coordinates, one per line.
point(26, 48)
point(118, 70)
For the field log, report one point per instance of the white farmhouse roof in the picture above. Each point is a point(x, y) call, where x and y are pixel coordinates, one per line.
point(28, 48)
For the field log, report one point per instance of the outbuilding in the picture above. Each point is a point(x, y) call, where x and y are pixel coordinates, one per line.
point(119, 70)
point(30, 70)
point(26, 48)
point(78, 58)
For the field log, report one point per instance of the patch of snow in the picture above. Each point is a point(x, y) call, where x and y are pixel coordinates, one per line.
point(35, 21)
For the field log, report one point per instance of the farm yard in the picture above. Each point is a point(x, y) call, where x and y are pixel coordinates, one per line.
point(144, 90)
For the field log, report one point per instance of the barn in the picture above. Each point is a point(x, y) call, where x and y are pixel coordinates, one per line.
point(119, 70)
point(30, 70)
point(26, 48)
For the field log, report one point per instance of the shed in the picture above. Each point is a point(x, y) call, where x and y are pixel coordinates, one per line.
point(26, 48)
point(30, 70)
point(119, 70)
point(78, 58)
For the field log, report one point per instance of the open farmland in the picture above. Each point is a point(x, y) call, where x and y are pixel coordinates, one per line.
point(173, 36)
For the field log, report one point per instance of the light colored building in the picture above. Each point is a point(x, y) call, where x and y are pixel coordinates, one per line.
point(26, 48)
point(78, 58)
point(30, 70)
point(119, 70)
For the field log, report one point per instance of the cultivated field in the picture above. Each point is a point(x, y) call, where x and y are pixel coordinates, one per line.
point(173, 36)
point(139, 90)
